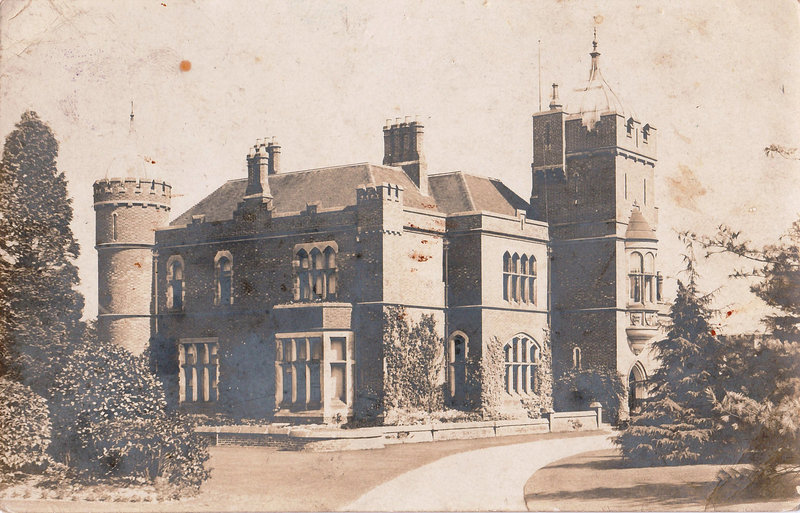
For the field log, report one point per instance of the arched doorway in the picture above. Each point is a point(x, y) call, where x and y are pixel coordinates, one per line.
point(637, 387)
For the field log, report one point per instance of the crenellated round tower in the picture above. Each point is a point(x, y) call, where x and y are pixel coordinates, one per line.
point(128, 210)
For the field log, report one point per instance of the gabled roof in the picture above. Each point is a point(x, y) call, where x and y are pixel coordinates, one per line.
point(461, 192)
point(331, 187)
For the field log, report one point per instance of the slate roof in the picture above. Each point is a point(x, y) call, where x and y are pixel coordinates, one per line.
point(331, 187)
point(335, 187)
point(462, 192)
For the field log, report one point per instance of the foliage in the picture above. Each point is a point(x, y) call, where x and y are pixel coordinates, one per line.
point(576, 390)
point(403, 417)
point(110, 419)
point(675, 424)
point(542, 401)
point(40, 310)
point(487, 379)
point(414, 356)
point(24, 427)
point(758, 413)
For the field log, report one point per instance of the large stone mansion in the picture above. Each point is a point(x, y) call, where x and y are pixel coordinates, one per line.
point(268, 295)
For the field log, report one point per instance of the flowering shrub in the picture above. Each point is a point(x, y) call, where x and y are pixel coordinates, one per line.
point(24, 427)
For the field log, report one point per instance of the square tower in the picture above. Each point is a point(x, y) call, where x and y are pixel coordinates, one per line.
point(593, 183)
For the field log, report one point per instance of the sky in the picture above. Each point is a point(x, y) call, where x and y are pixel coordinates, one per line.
point(718, 79)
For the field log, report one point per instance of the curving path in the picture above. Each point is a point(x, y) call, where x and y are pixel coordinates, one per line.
point(484, 479)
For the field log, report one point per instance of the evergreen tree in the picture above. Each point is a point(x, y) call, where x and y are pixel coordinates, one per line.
point(676, 422)
point(758, 413)
point(40, 309)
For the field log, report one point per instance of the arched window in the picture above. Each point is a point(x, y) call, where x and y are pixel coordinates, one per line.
point(635, 276)
point(521, 363)
point(648, 292)
point(507, 276)
point(576, 358)
point(303, 275)
point(515, 280)
point(223, 269)
point(330, 272)
point(316, 272)
point(532, 280)
point(456, 366)
point(175, 288)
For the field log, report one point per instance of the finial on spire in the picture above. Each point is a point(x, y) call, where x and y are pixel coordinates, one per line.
point(554, 102)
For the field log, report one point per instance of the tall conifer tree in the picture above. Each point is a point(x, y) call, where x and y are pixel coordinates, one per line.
point(676, 422)
point(40, 310)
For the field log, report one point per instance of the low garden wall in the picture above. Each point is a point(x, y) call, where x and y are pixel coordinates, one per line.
point(316, 438)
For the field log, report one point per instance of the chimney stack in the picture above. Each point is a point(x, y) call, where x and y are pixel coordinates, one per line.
point(403, 147)
point(274, 149)
point(258, 170)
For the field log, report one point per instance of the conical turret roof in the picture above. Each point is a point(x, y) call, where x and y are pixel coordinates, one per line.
point(639, 228)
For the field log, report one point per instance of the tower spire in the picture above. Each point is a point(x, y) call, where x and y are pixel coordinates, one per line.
point(595, 57)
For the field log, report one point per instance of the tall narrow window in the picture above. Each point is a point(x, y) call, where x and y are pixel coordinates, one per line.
point(175, 288)
point(456, 371)
point(649, 276)
point(523, 279)
point(303, 276)
point(629, 127)
point(644, 190)
point(507, 276)
point(515, 280)
point(626, 186)
point(635, 277)
point(532, 280)
point(521, 364)
point(199, 370)
point(114, 226)
point(576, 358)
point(547, 136)
point(223, 266)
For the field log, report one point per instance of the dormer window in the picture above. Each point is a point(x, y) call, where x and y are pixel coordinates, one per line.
point(645, 133)
point(629, 127)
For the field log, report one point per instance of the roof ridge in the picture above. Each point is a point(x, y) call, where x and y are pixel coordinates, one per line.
point(369, 173)
point(466, 189)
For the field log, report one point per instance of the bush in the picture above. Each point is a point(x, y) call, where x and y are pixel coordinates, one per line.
point(24, 427)
point(577, 389)
point(110, 419)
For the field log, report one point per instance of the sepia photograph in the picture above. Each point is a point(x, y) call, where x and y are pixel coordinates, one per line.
point(463, 255)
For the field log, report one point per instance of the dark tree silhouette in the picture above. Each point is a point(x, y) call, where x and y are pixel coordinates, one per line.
point(40, 309)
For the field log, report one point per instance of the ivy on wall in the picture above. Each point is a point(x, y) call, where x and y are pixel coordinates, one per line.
point(414, 362)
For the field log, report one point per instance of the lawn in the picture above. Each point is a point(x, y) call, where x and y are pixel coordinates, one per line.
point(261, 478)
point(597, 481)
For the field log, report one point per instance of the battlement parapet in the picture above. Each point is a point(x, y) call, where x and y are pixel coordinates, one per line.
point(132, 190)
point(383, 192)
